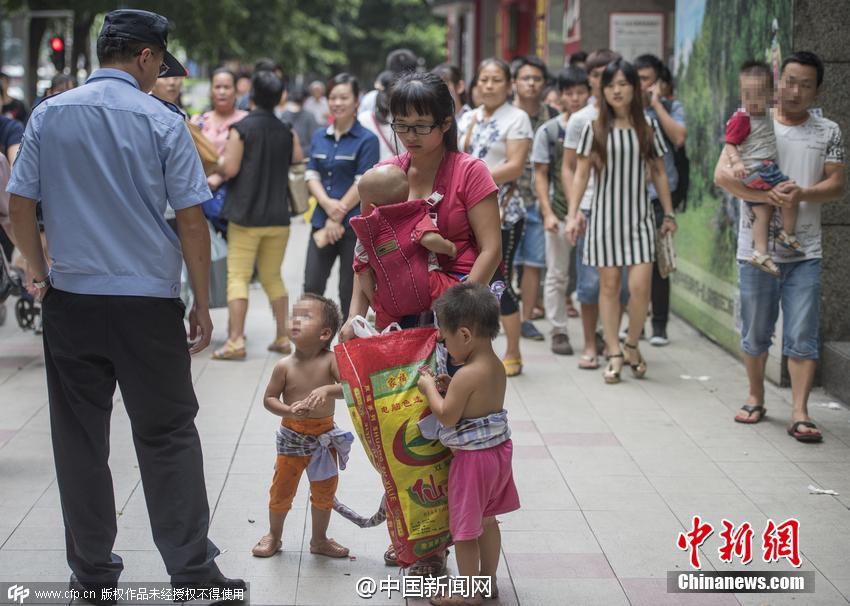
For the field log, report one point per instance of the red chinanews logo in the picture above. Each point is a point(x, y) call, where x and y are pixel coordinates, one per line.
point(778, 541)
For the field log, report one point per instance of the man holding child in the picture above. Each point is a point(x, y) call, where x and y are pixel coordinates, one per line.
point(811, 153)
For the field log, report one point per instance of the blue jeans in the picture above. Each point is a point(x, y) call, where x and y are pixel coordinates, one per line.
point(587, 277)
point(798, 291)
point(531, 250)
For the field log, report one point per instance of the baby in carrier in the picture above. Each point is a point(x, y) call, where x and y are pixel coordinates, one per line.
point(397, 246)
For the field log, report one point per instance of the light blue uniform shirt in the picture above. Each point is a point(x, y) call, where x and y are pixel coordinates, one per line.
point(104, 159)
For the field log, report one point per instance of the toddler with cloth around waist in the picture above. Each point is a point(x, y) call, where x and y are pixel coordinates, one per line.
point(471, 420)
point(303, 389)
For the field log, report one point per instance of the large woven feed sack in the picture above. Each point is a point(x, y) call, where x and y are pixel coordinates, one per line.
point(379, 376)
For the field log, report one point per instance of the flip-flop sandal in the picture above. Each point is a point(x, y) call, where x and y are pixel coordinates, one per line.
point(766, 264)
point(790, 242)
point(330, 548)
point(513, 366)
point(432, 566)
point(805, 437)
point(750, 409)
point(229, 351)
point(538, 313)
point(266, 547)
point(390, 558)
point(588, 362)
point(281, 345)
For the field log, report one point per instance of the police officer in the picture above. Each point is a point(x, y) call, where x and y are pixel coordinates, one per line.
point(103, 159)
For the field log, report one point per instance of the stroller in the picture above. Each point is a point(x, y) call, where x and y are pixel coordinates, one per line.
point(13, 284)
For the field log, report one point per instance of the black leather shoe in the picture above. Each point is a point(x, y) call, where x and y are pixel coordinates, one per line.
point(99, 594)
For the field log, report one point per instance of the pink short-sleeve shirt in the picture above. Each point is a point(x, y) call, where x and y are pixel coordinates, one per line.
point(470, 184)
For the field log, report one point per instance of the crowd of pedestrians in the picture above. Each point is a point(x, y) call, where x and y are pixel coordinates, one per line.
point(547, 188)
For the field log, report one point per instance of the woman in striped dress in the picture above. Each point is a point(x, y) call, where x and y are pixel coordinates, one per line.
point(619, 146)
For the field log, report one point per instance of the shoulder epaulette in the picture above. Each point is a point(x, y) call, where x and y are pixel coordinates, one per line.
point(169, 105)
point(45, 98)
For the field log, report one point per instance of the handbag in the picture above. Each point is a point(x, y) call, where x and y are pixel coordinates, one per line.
point(212, 208)
point(299, 195)
point(666, 254)
point(208, 154)
point(218, 275)
point(218, 270)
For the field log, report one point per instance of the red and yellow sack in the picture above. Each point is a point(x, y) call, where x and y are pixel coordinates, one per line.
point(379, 376)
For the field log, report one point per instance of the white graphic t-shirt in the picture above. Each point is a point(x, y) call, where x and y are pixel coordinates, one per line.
point(575, 125)
point(803, 151)
point(489, 141)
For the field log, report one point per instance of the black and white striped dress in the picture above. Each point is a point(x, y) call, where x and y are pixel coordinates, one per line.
point(622, 227)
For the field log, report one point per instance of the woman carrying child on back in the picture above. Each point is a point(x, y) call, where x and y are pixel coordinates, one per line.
point(468, 214)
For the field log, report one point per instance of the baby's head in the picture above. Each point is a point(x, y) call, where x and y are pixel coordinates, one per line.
point(756, 81)
point(385, 184)
point(468, 316)
point(315, 321)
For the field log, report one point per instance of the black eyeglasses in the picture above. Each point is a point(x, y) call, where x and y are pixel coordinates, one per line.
point(163, 68)
point(419, 129)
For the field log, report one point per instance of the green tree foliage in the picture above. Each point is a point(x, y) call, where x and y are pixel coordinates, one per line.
point(732, 32)
point(383, 25)
point(317, 37)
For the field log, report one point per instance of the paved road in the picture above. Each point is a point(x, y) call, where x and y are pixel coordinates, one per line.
point(608, 477)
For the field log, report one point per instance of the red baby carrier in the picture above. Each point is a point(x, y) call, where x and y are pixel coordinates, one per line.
point(400, 264)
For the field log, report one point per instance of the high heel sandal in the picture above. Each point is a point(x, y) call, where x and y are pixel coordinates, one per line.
point(612, 375)
point(639, 367)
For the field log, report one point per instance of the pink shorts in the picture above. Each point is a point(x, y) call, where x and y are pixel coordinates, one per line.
point(481, 484)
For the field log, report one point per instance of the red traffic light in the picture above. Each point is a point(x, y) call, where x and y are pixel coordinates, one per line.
point(57, 44)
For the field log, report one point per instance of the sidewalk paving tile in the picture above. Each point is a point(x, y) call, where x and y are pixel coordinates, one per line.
point(608, 476)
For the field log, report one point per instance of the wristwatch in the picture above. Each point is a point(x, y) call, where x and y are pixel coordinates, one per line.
point(41, 283)
point(670, 216)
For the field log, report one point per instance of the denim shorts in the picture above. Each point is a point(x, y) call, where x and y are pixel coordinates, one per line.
point(797, 290)
point(532, 246)
point(587, 277)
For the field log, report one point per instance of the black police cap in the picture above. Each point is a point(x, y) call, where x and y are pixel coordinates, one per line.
point(144, 26)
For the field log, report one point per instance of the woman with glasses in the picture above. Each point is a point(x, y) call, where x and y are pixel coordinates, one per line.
point(339, 155)
point(468, 214)
point(500, 134)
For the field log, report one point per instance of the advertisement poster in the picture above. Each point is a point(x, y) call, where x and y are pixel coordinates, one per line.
point(713, 38)
point(633, 34)
point(572, 26)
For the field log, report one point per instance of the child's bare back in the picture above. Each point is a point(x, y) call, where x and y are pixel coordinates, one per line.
point(482, 378)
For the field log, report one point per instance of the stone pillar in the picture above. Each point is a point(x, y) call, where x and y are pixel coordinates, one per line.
point(821, 26)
